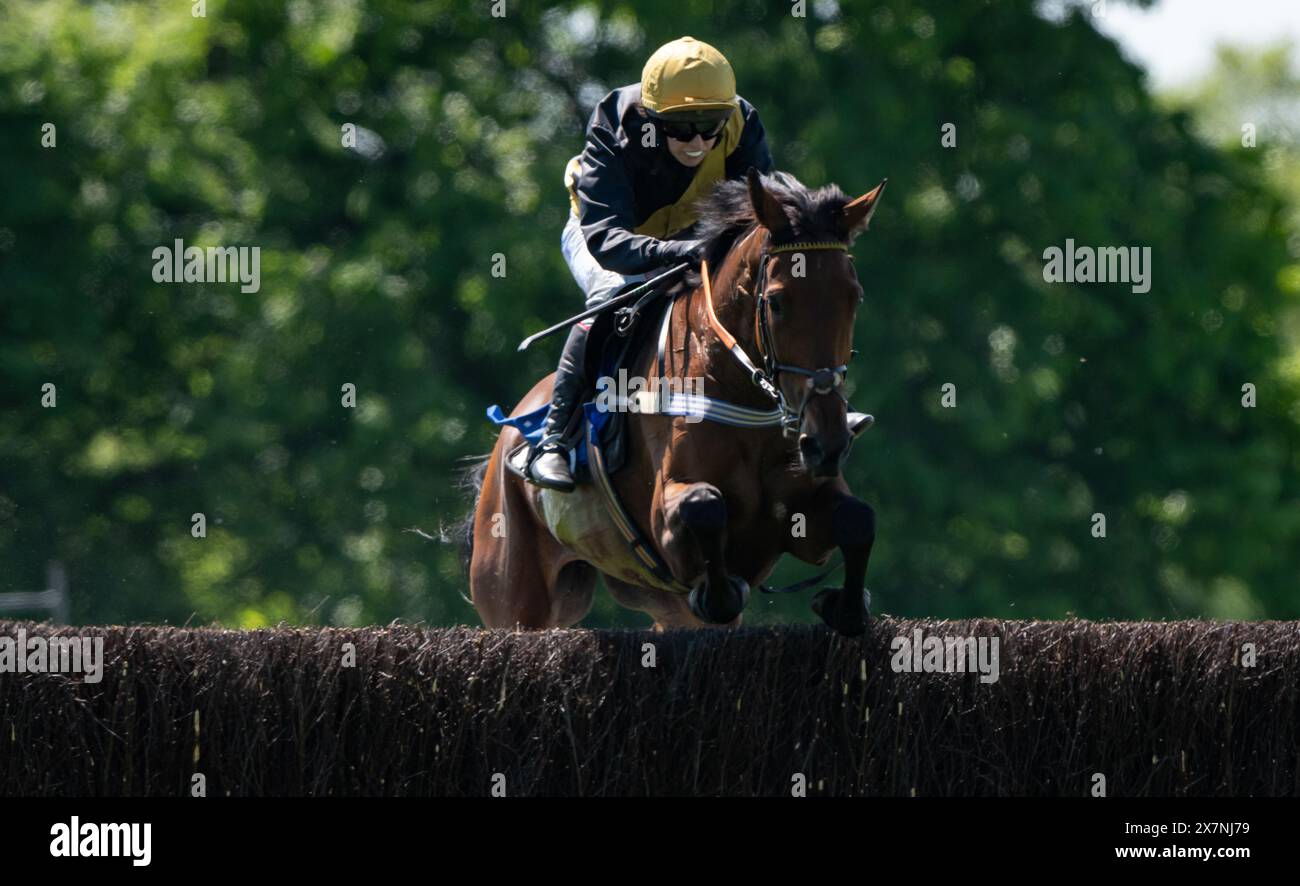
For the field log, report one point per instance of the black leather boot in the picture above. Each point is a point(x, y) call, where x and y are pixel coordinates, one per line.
point(549, 464)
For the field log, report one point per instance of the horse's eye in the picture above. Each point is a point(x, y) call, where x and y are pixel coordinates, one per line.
point(774, 302)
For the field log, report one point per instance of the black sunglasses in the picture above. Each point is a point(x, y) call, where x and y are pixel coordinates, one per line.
point(684, 132)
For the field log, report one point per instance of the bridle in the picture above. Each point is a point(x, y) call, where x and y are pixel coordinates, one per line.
point(820, 381)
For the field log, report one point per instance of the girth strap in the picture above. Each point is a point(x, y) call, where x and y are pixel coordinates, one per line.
point(655, 569)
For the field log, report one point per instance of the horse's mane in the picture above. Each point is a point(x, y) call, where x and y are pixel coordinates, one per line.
point(726, 215)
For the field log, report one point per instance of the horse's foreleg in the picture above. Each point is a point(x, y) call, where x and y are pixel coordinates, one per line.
point(693, 538)
point(837, 519)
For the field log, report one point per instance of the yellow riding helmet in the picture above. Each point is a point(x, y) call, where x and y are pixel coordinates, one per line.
point(687, 75)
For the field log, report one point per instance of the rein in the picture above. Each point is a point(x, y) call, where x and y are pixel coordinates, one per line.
point(820, 381)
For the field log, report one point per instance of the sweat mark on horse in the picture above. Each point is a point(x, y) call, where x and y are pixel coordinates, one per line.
point(716, 501)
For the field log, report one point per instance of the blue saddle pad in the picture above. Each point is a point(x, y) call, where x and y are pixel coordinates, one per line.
point(532, 424)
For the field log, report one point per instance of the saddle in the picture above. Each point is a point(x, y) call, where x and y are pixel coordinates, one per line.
point(613, 342)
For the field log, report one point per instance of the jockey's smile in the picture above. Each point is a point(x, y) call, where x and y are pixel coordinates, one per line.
point(693, 152)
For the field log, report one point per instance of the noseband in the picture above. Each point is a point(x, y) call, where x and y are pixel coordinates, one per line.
point(823, 380)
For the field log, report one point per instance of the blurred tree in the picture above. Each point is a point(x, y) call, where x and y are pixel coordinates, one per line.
point(1250, 104)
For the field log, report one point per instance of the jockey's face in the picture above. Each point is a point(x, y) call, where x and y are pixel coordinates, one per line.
point(693, 152)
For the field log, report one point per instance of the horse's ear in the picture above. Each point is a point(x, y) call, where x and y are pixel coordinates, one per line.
point(767, 209)
point(856, 214)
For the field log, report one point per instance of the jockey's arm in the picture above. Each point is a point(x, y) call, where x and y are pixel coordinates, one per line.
point(607, 216)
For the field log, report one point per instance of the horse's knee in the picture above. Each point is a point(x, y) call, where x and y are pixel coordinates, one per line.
point(855, 523)
point(702, 510)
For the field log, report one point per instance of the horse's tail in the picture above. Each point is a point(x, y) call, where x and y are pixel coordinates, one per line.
point(471, 484)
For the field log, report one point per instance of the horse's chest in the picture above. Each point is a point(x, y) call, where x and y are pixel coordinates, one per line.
point(759, 527)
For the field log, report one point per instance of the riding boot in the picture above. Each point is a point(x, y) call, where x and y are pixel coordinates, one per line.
point(549, 464)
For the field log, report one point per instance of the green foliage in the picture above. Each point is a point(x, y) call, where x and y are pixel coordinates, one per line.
point(184, 398)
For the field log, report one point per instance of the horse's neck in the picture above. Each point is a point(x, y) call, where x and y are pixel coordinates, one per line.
point(735, 301)
point(707, 357)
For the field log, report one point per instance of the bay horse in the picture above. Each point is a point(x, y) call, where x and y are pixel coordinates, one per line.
point(717, 504)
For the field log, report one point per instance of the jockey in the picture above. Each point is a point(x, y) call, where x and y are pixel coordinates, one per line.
point(652, 149)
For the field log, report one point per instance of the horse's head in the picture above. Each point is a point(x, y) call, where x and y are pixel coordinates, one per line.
point(806, 295)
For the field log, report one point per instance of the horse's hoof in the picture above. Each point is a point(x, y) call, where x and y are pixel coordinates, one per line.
point(847, 613)
point(719, 612)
